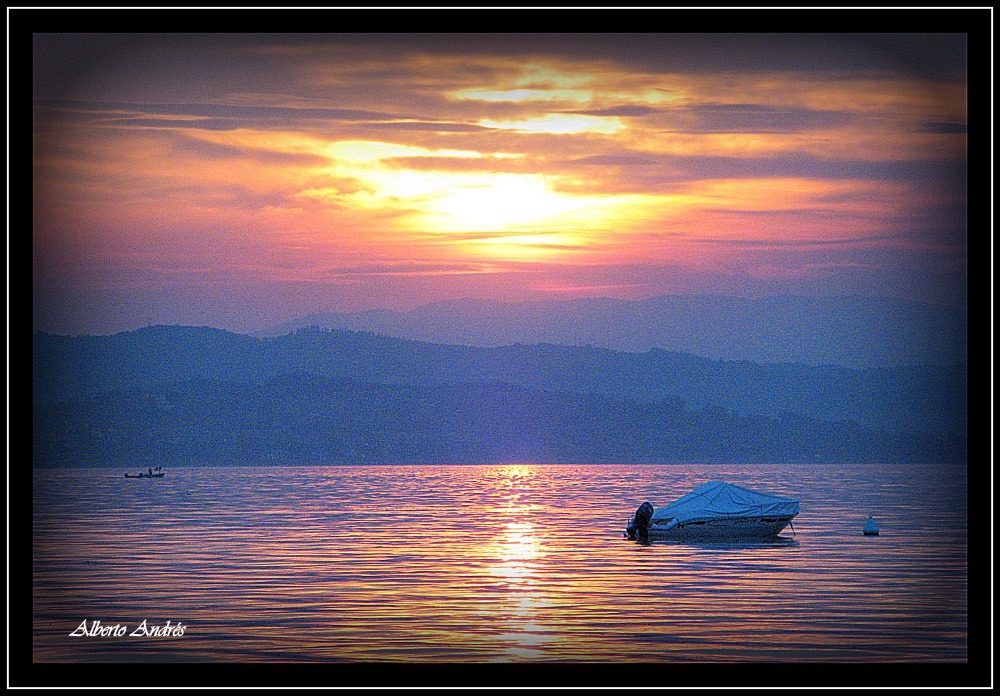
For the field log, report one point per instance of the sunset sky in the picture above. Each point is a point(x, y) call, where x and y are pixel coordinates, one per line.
point(238, 181)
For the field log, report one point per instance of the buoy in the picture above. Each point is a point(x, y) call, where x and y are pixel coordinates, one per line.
point(871, 529)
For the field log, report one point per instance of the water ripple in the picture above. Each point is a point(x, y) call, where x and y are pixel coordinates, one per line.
point(493, 563)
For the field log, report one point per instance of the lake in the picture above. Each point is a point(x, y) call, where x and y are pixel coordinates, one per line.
point(493, 563)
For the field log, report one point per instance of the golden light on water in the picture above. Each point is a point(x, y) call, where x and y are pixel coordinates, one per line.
point(517, 560)
point(517, 545)
point(489, 564)
point(519, 609)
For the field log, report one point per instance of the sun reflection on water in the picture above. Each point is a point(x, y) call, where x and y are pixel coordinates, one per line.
point(509, 563)
point(514, 559)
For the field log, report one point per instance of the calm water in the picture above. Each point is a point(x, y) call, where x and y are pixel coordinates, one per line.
point(493, 563)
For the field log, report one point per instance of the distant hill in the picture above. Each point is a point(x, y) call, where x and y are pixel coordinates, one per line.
point(308, 419)
point(853, 332)
point(928, 400)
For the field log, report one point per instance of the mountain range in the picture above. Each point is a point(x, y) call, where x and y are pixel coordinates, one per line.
point(853, 331)
point(173, 393)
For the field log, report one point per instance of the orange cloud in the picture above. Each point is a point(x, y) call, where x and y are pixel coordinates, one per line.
point(349, 157)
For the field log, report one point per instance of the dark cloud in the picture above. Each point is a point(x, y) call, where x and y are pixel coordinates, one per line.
point(213, 124)
point(797, 242)
point(231, 116)
point(947, 173)
point(251, 200)
point(60, 59)
point(946, 128)
point(433, 126)
point(623, 110)
point(219, 151)
point(752, 118)
point(616, 160)
point(410, 268)
point(932, 54)
point(649, 172)
point(230, 111)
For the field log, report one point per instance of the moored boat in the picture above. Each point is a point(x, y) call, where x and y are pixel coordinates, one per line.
point(716, 510)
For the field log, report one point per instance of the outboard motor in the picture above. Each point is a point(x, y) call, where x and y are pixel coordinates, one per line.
point(639, 526)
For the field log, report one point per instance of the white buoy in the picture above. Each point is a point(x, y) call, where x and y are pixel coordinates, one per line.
point(871, 529)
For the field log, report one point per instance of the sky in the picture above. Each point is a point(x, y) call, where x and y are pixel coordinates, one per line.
point(238, 181)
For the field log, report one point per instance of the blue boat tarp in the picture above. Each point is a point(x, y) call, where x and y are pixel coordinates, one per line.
point(720, 500)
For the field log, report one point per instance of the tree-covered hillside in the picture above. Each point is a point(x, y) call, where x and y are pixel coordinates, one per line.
point(926, 399)
point(306, 419)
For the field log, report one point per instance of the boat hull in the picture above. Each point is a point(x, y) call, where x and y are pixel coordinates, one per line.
point(723, 528)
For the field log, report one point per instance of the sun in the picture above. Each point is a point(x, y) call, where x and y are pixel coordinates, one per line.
point(456, 202)
point(447, 198)
point(493, 202)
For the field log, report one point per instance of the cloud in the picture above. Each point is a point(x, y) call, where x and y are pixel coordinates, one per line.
point(220, 151)
point(650, 172)
point(357, 153)
point(938, 55)
point(752, 118)
point(248, 112)
point(435, 126)
point(946, 128)
point(221, 116)
point(412, 269)
point(211, 124)
point(830, 241)
point(813, 167)
point(616, 160)
point(456, 164)
point(623, 110)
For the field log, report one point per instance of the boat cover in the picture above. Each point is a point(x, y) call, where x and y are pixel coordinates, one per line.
point(718, 500)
